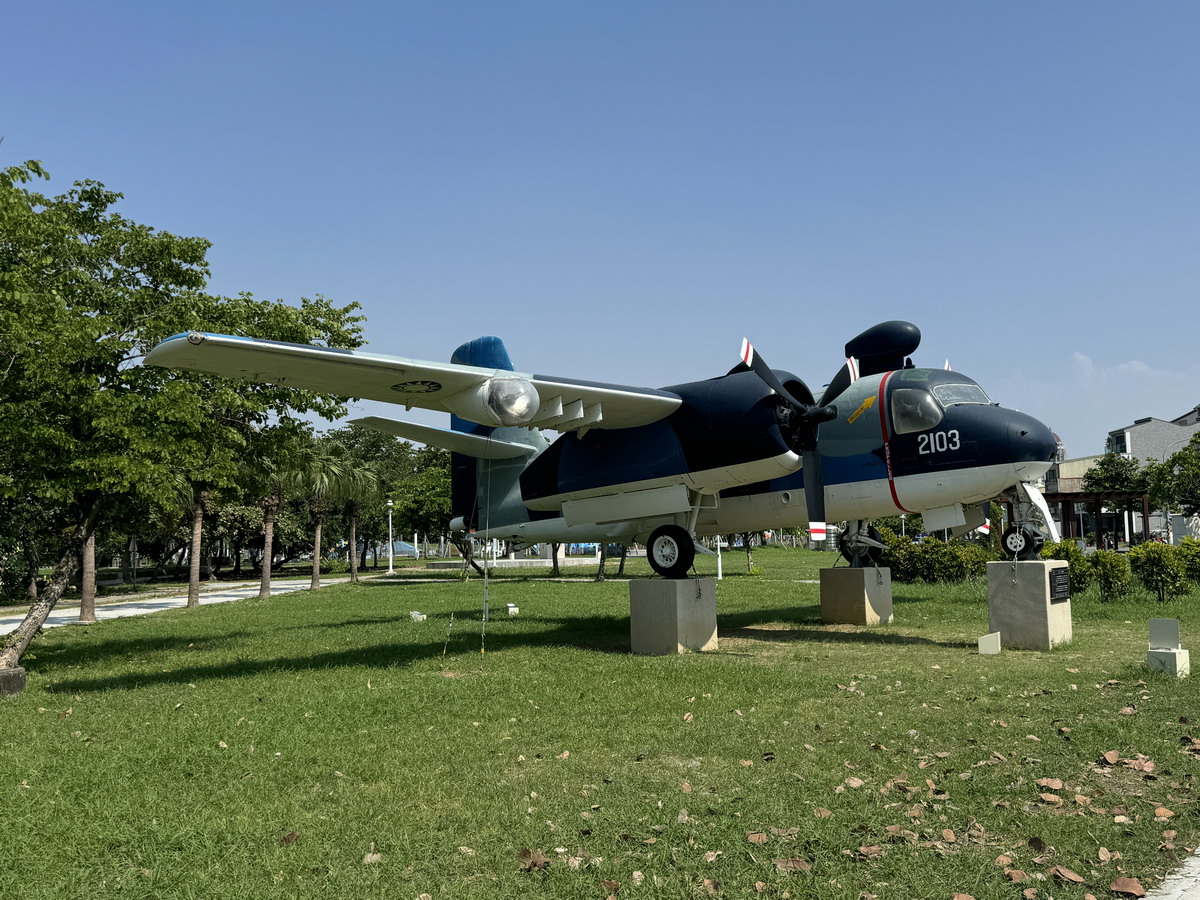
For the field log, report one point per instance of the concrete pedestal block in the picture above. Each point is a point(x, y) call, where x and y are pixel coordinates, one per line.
point(12, 681)
point(672, 615)
point(1175, 662)
point(1029, 603)
point(856, 596)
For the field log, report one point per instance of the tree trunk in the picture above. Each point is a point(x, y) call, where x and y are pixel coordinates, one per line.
point(352, 556)
point(316, 569)
point(554, 570)
point(87, 591)
point(749, 552)
point(624, 553)
point(64, 570)
point(270, 507)
point(194, 555)
point(603, 560)
point(127, 564)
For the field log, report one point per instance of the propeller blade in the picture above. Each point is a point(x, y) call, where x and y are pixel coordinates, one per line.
point(814, 490)
point(760, 368)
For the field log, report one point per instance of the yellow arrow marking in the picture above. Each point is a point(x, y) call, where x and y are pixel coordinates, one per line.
point(866, 404)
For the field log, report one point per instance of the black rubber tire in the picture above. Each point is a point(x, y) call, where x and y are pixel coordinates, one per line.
point(1022, 542)
point(868, 556)
point(671, 551)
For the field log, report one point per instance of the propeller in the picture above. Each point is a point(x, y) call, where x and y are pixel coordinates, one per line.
point(808, 417)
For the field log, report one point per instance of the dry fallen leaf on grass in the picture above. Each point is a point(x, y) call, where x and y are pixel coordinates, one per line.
point(712, 886)
point(371, 857)
point(756, 837)
point(290, 838)
point(1062, 873)
point(794, 864)
point(1127, 887)
point(822, 813)
point(532, 860)
point(1051, 784)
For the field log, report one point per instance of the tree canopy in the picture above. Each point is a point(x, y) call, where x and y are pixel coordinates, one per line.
point(84, 294)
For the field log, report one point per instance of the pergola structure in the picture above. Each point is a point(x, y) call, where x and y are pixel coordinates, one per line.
point(1094, 501)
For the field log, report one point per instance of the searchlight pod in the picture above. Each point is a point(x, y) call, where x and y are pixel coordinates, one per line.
point(504, 401)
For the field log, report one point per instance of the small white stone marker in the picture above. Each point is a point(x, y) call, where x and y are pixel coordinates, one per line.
point(417, 616)
point(1165, 653)
point(513, 609)
point(1164, 634)
point(989, 644)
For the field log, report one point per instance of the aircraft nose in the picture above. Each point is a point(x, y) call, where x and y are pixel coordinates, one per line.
point(1030, 440)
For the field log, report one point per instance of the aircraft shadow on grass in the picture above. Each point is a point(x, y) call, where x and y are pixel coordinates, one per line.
point(598, 634)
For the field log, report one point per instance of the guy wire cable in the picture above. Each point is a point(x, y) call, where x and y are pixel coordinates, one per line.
point(487, 524)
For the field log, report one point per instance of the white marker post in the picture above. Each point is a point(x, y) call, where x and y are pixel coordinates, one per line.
point(391, 544)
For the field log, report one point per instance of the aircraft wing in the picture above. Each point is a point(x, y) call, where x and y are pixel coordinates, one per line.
point(565, 404)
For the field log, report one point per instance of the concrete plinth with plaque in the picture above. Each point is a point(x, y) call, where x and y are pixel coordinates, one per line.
point(1029, 603)
point(672, 615)
point(856, 596)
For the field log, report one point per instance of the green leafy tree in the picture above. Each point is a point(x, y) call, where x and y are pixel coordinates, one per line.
point(1114, 472)
point(1180, 478)
point(84, 294)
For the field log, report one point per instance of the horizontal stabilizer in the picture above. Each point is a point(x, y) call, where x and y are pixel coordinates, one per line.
point(456, 441)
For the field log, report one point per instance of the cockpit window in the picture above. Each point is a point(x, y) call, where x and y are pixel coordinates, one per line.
point(951, 394)
point(914, 410)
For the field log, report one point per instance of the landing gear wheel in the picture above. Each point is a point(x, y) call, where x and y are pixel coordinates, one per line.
point(671, 551)
point(1022, 542)
point(858, 553)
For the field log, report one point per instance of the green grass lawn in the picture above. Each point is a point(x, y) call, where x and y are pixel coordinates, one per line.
point(319, 745)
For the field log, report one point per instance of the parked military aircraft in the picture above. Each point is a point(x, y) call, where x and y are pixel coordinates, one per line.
point(750, 450)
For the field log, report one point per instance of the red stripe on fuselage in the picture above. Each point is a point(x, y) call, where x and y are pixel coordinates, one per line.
point(887, 443)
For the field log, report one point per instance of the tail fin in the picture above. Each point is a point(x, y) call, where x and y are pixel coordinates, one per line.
point(487, 493)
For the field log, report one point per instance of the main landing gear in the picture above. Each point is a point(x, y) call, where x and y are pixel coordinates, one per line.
point(861, 544)
point(671, 551)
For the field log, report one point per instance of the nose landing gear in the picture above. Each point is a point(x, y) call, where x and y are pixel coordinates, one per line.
point(1022, 542)
point(1034, 524)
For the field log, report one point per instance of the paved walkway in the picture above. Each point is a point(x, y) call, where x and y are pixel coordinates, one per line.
point(224, 593)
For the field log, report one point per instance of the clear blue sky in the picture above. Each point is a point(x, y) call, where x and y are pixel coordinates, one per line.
point(622, 190)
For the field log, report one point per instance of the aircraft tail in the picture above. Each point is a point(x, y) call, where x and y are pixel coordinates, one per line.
point(486, 493)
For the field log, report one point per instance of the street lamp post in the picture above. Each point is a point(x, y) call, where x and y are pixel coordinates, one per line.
point(391, 543)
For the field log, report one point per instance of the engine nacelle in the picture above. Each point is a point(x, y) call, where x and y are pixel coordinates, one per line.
point(503, 400)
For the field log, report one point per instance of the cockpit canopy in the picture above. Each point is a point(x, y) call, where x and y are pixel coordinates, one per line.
point(919, 397)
